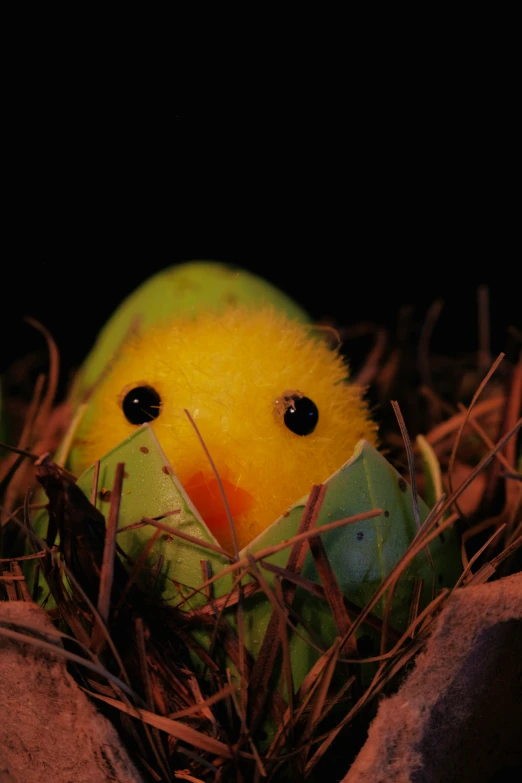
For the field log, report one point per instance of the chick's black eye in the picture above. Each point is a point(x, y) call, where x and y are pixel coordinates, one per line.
point(301, 415)
point(141, 404)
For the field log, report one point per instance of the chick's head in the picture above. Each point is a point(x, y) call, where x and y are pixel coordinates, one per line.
point(271, 403)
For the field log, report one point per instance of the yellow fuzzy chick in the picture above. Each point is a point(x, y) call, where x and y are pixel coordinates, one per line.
point(270, 402)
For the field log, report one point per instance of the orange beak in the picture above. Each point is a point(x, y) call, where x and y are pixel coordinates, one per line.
point(203, 490)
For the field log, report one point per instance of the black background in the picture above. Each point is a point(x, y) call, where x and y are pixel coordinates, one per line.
point(337, 267)
point(352, 220)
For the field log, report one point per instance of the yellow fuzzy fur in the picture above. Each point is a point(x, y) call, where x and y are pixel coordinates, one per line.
point(228, 371)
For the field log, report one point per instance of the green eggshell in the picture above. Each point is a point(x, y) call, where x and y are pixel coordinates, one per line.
point(432, 473)
point(150, 489)
point(360, 563)
point(361, 554)
point(180, 290)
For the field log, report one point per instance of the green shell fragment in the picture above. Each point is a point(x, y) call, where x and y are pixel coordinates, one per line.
point(361, 554)
point(432, 472)
point(150, 489)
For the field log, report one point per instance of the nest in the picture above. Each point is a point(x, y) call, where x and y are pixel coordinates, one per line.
point(177, 711)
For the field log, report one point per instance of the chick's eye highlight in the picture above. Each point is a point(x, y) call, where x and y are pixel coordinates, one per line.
point(141, 404)
point(300, 414)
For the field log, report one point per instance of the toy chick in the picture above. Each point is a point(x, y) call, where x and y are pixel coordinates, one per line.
point(271, 402)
